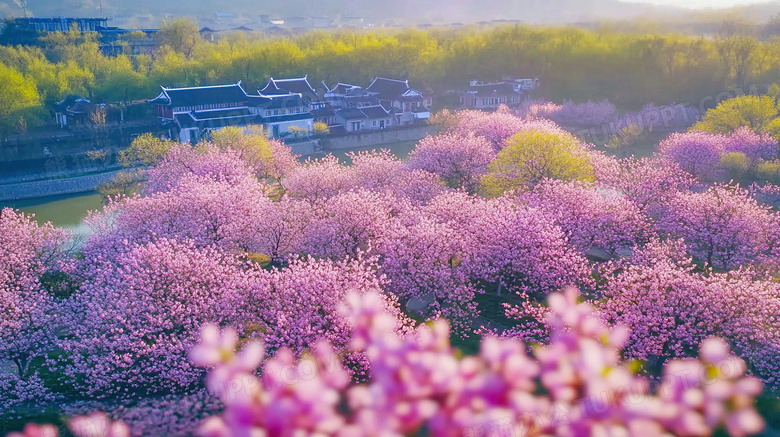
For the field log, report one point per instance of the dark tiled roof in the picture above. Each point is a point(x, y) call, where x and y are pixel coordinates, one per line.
point(217, 118)
point(82, 106)
point(350, 114)
point(375, 112)
point(68, 101)
point(291, 117)
point(343, 88)
point(324, 112)
point(271, 89)
point(412, 98)
point(257, 100)
point(185, 120)
point(298, 85)
point(494, 89)
point(284, 101)
point(388, 88)
point(357, 100)
point(205, 95)
point(221, 113)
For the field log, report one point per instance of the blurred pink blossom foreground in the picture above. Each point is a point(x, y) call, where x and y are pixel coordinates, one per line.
point(575, 386)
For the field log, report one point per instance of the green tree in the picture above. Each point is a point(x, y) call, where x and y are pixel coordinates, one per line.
point(145, 150)
point(533, 155)
point(321, 128)
point(18, 95)
point(250, 142)
point(123, 183)
point(297, 131)
point(735, 164)
point(180, 34)
point(759, 113)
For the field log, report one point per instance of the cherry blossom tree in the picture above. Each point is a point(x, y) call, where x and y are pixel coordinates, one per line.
point(320, 178)
point(299, 304)
point(375, 170)
point(197, 208)
point(518, 247)
point(138, 312)
point(498, 126)
point(753, 145)
point(723, 226)
point(276, 229)
point(33, 265)
point(281, 163)
point(205, 161)
point(696, 152)
point(424, 261)
point(460, 160)
point(591, 215)
point(28, 253)
point(577, 115)
point(648, 182)
point(671, 309)
point(417, 187)
point(348, 223)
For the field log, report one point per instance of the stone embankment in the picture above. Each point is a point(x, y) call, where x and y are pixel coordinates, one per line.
point(54, 187)
point(83, 184)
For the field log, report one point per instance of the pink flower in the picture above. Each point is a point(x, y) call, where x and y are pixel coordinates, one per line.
point(98, 425)
point(33, 430)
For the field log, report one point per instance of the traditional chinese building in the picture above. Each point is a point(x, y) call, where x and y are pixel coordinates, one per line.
point(481, 95)
point(196, 110)
point(407, 104)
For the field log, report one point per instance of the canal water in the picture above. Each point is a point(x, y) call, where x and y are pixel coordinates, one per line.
point(69, 211)
point(66, 211)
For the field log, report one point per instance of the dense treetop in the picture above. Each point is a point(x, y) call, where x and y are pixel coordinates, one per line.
point(631, 69)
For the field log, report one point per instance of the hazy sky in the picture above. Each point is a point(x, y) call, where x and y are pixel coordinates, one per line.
point(700, 3)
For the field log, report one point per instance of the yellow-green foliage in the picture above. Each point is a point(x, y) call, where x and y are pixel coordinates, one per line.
point(18, 95)
point(251, 143)
point(297, 131)
point(769, 171)
point(760, 113)
point(125, 183)
point(533, 155)
point(258, 258)
point(735, 163)
point(144, 150)
point(627, 68)
point(321, 128)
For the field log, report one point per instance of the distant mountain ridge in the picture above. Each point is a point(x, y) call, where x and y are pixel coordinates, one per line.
point(399, 12)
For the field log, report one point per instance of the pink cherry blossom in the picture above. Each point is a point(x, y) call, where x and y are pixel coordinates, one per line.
point(33, 430)
point(134, 316)
point(723, 226)
point(591, 215)
point(197, 208)
point(418, 383)
point(648, 182)
point(206, 161)
point(460, 160)
point(29, 311)
point(98, 425)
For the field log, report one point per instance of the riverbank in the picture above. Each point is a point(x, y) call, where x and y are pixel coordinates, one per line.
point(388, 139)
point(54, 187)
